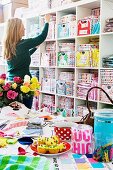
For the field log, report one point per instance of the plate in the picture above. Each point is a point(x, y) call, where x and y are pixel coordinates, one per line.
point(68, 147)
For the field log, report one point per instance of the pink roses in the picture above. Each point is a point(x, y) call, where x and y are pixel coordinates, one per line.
point(12, 94)
point(17, 80)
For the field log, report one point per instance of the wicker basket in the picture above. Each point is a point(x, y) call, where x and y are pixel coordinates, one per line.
point(89, 119)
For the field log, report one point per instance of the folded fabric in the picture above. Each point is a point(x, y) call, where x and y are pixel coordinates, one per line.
point(24, 163)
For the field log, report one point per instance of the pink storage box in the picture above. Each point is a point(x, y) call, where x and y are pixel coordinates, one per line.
point(82, 139)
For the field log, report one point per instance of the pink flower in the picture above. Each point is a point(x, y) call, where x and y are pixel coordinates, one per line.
point(1, 94)
point(3, 76)
point(12, 94)
point(6, 87)
point(17, 79)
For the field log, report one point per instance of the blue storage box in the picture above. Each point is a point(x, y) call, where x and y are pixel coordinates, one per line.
point(63, 30)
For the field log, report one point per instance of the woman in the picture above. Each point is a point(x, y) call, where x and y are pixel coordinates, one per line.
point(17, 51)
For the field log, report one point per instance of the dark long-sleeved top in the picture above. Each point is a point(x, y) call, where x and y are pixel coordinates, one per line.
point(19, 64)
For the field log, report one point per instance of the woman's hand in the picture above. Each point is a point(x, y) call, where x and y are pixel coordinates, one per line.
point(47, 18)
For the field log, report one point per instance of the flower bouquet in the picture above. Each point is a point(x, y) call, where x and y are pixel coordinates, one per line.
point(18, 89)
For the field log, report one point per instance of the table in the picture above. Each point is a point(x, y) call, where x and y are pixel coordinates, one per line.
point(67, 161)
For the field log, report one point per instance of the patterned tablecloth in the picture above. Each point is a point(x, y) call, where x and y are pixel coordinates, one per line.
point(67, 161)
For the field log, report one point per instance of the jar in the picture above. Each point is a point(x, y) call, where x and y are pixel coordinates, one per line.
point(103, 134)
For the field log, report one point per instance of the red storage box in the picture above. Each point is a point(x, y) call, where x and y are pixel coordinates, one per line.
point(84, 27)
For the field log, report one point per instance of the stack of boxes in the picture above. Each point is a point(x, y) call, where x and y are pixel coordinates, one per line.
point(65, 106)
point(66, 54)
point(65, 84)
point(48, 80)
point(87, 55)
point(108, 25)
point(85, 82)
point(106, 84)
point(67, 26)
point(48, 103)
point(48, 58)
point(82, 109)
point(90, 24)
point(52, 26)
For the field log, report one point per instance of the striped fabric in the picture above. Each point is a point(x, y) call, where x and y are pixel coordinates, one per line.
point(15, 124)
point(23, 163)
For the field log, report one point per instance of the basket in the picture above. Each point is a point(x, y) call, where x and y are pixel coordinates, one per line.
point(89, 119)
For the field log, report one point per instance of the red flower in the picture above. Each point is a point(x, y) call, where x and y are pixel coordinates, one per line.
point(1, 94)
point(3, 76)
point(6, 87)
point(17, 80)
point(12, 94)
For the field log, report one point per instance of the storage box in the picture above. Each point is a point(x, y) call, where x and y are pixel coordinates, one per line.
point(84, 27)
point(61, 87)
point(46, 84)
point(9, 9)
point(83, 58)
point(67, 29)
point(63, 30)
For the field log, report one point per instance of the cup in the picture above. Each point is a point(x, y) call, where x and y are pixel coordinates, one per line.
point(63, 130)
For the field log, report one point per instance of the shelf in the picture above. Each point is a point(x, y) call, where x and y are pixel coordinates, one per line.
point(91, 4)
point(34, 66)
point(47, 40)
point(66, 38)
point(79, 98)
point(64, 96)
point(48, 66)
point(91, 68)
point(65, 67)
point(102, 68)
point(107, 33)
point(105, 102)
point(91, 35)
point(47, 92)
point(81, 9)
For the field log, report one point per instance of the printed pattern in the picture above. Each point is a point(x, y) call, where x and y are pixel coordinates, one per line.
point(23, 162)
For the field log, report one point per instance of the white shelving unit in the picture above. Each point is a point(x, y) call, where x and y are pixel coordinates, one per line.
point(81, 9)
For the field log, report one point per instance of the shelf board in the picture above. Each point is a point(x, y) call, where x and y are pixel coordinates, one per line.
point(65, 67)
point(48, 66)
point(34, 66)
point(85, 99)
point(89, 3)
point(61, 95)
point(105, 102)
point(91, 68)
point(90, 35)
point(102, 68)
point(107, 33)
point(66, 38)
point(47, 40)
point(47, 92)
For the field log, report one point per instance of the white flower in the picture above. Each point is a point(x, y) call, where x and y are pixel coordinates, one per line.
point(26, 79)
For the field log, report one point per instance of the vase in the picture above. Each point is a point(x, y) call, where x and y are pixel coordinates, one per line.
point(27, 101)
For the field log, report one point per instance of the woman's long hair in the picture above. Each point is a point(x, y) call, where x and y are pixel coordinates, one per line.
point(12, 36)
